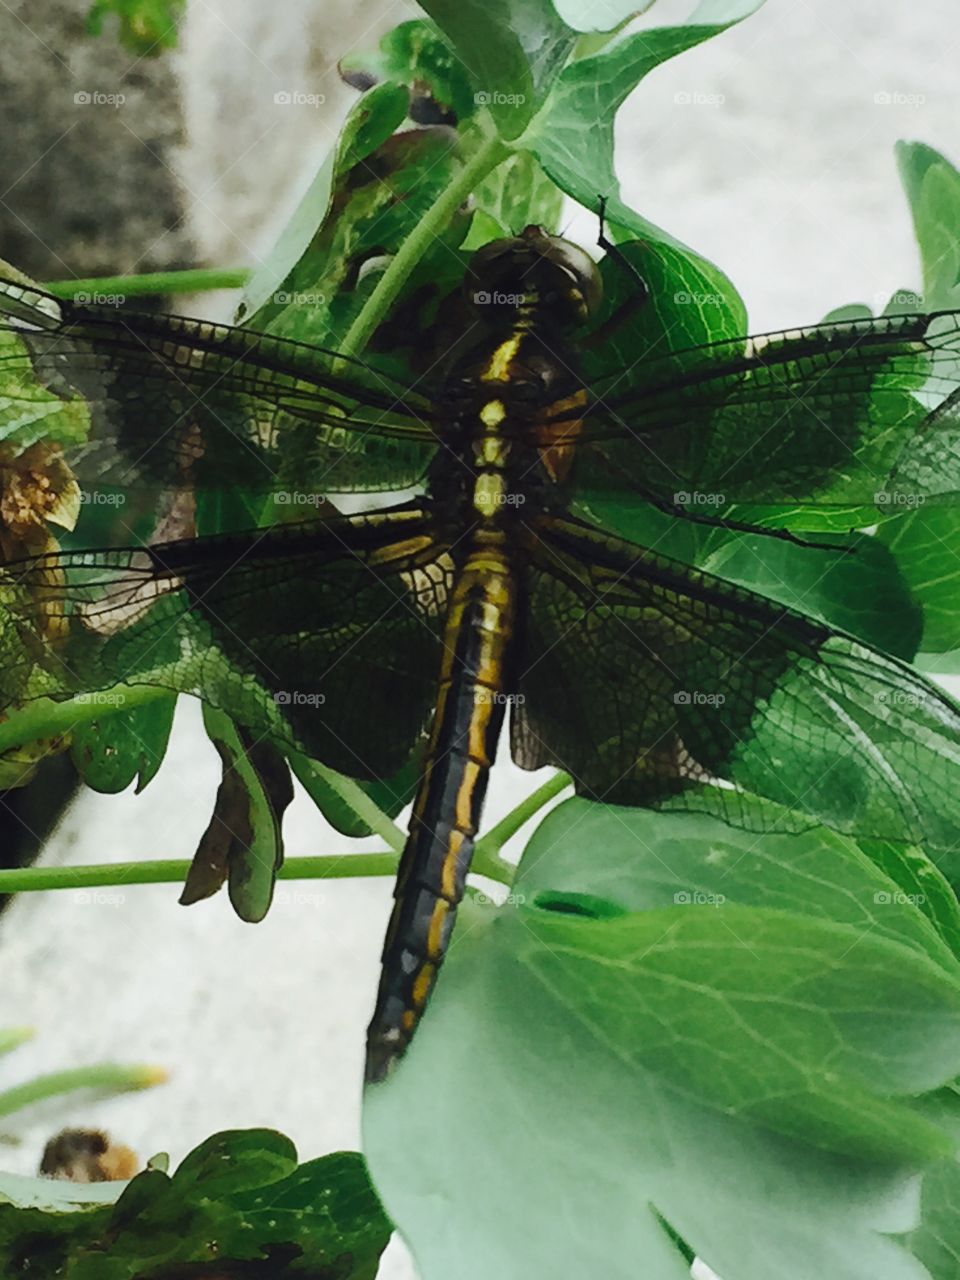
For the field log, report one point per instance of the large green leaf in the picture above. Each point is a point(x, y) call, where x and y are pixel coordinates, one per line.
point(573, 135)
point(932, 186)
point(512, 49)
point(858, 587)
point(926, 545)
point(673, 1022)
point(237, 1206)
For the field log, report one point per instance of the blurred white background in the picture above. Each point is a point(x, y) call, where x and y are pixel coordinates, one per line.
point(787, 181)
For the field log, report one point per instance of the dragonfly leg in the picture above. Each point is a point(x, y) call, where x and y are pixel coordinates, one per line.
point(627, 308)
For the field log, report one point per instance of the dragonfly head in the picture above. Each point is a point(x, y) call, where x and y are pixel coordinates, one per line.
point(534, 272)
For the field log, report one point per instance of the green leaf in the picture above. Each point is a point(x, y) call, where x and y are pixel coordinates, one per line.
point(858, 588)
point(690, 302)
point(29, 411)
point(935, 1240)
point(588, 15)
point(120, 746)
point(243, 843)
point(926, 545)
point(932, 186)
point(147, 27)
point(572, 136)
point(369, 124)
point(415, 55)
point(337, 799)
point(746, 1022)
point(920, 883)
point(512, 50)
point(237, 1160)
point(517, 194)
point(237, 1206)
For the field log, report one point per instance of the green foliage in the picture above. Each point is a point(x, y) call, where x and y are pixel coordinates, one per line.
point(238, 1205)
point(743, 1023)
point(671, 1025)
point(146, 27)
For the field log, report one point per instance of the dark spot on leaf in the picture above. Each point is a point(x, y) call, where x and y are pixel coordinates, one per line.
point(579, 904)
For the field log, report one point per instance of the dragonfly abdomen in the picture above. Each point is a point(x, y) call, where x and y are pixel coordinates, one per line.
point(471, 699)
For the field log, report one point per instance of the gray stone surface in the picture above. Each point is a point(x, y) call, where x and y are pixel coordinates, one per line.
point(88, 139)
point(788, 183)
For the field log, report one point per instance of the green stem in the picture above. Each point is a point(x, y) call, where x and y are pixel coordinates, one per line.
point(46, 718)
point(345, 866)
point(12, 1037)
point(492, 866)
point(486, 159)
point(107, 1075)
point(150, 283)
point(489, 847)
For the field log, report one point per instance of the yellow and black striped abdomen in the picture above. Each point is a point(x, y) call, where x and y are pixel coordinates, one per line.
point(471, 699)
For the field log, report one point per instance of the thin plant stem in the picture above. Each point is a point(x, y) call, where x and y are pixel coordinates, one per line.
point(486, 159)
point(346, 866)
point(151, 283)
point(489, 847)
point(105, 1075)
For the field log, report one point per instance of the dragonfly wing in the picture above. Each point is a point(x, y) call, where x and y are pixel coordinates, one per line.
point(653, 683)
point(324, 636)
point(163, 402)
point(846, 414)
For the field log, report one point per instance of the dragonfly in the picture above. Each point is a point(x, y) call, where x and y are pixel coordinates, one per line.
point(361, 639)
